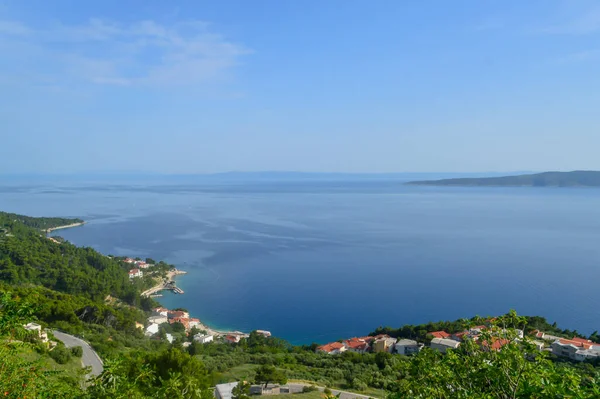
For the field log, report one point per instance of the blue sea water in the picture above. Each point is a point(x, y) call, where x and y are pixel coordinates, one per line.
point(321, 260)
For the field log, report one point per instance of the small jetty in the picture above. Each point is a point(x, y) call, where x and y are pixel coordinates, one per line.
point(165, 285)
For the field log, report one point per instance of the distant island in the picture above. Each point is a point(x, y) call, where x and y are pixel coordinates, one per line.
point(577, 178)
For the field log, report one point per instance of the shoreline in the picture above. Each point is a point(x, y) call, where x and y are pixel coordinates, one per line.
point(201, 325)
point(66, 226)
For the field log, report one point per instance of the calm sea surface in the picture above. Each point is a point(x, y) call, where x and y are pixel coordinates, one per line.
point(318, 261)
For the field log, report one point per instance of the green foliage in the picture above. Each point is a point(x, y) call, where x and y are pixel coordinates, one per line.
point(267, 373)
point(26, 256)
point(517, 370)
point(19, 376)
point(8, 220)
point(166, 374)
point(241, 391)
point(60, 354)
point(77, 351)
point(309, 388)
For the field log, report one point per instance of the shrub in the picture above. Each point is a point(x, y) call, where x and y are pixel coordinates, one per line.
point(60, 354)
point(77, 351)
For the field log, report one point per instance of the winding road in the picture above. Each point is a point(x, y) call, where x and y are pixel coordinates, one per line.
point(89, 358)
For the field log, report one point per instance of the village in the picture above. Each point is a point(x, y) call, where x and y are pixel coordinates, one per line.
point(577, 349)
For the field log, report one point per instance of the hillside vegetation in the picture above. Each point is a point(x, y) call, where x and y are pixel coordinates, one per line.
point(546, 179)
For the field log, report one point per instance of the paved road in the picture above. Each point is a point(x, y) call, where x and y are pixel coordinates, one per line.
point(297, 387)
point(89, 358)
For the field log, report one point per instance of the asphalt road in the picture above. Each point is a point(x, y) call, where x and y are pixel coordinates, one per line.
point(89, 358)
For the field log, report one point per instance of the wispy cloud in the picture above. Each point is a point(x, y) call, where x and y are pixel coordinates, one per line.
point(107, 53)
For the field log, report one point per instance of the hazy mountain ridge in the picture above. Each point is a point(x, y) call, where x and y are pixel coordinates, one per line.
point(577, 178)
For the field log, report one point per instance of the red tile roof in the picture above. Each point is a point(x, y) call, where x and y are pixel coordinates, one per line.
point(331, 347)
point(496, 344)
point(578, 342)
point(439, 334)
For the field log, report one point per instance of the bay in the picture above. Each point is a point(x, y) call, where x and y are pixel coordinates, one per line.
point(315, 261)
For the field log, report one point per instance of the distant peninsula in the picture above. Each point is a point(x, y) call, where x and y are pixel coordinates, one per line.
point(577, 178)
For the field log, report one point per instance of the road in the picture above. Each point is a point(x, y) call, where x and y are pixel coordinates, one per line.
point(297, 387)
point(89, 358)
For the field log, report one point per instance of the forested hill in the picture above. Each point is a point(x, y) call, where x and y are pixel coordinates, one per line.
point(9, 220)
point(546, 179)
point(27, 256)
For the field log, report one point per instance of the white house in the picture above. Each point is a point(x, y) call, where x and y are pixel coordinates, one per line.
point(157, 319)
point(577, 349)
point(152, 329)
point(194, 322)
point(332, 348)
point(224, 391)
point(38, 328)
point(407, 347)
point(169, 338)
point(133, 273)
point(203, 339)
point(264, 333)
point(443, 344)
point(160, 311)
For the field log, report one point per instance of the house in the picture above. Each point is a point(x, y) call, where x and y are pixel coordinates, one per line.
point(161, 311)
point(157, 319)
point(38, 329)
point(139, 325)
point(129, 260)
point(264, 333)
point(439, 334)
point(169, 338)
point(133, 273)
point(407, 347)
point(224, 391)
point(357, 345)
point(496, 344)
point(332, 348)
point(232, 339)
point(203, 338)
point(194, 322)
point(443, 344)
point(182, 320)
point(578, 349)
point(152, 329)
point(383, 343)
point(171, 314)
point(539, 345)
point(142, 265)
point(544, 336)
point(186, 344)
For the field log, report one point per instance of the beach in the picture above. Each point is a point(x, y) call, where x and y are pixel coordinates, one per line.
point(67, 226)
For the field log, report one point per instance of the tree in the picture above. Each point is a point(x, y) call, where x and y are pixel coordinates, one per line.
point(241, 391)
point(267, 373)
point(60, 354)
point(77, 351)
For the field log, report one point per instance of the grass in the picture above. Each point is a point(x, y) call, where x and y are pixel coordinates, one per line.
point(308, 395)
point(238, 373)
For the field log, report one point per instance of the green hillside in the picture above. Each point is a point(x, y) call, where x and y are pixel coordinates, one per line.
point(546, 179)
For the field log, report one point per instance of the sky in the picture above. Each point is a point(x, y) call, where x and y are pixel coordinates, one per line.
point(192, 86)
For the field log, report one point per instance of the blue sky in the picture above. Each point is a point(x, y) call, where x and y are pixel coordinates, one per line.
point(336, 86)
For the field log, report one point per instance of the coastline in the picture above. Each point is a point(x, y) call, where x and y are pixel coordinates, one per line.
point(171, 275)
point(67, 226)
point(203, 326)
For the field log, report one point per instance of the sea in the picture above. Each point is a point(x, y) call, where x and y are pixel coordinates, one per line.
point(319, 260)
